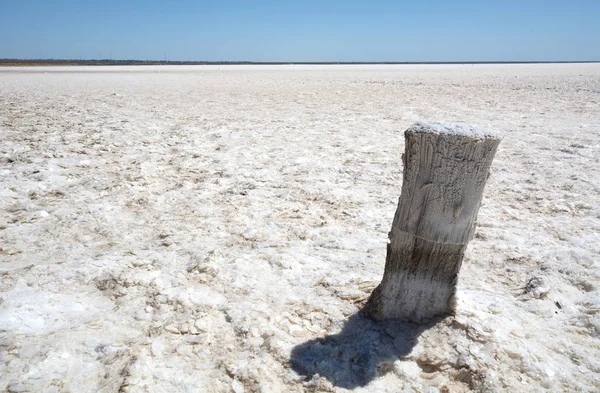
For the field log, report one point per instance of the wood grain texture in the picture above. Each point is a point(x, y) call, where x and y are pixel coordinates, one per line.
point(445, 170)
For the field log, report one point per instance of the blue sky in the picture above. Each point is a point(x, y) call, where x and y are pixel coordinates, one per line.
point(309, 30)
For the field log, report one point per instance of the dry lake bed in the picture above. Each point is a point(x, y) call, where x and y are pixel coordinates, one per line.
point(218, 228)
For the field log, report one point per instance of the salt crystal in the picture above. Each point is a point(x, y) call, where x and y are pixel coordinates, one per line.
point(494, 308)
point(237, 386)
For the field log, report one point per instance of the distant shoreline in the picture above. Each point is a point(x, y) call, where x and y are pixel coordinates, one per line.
point(71, 62)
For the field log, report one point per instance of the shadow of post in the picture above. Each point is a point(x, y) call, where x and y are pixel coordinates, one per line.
point(359, 353)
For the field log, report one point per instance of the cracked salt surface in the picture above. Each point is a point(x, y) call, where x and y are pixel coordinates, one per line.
point(183, 229)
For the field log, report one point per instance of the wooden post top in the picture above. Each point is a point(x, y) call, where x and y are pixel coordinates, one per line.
point(459, 130)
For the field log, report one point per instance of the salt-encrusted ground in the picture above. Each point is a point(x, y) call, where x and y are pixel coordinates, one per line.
point(215, 229)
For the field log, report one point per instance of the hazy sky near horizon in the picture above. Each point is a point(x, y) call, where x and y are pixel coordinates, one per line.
point(309, 30)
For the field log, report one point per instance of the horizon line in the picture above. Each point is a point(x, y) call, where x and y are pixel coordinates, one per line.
point(5, 61)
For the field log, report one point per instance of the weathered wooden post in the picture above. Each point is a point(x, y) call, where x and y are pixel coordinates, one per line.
point(445, 170)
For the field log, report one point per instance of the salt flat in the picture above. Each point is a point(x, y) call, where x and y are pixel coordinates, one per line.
point(217, 228)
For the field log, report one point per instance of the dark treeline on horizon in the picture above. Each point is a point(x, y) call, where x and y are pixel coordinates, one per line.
point(75, 62)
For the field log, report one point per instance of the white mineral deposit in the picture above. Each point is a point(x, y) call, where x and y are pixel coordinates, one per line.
point(219, 229)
